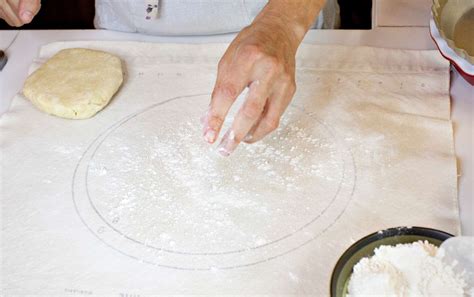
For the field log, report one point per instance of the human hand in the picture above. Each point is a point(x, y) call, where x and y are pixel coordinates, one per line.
point(19, 12)
point(262, 57)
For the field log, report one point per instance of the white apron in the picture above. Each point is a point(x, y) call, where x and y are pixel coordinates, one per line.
point(190, 17)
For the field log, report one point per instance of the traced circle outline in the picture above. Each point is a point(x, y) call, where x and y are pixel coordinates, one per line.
point(104, 135)
point(98, 146)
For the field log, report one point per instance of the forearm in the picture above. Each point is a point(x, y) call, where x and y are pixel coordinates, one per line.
point(297, 16)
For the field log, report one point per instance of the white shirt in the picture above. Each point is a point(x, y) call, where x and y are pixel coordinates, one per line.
point(190, 17)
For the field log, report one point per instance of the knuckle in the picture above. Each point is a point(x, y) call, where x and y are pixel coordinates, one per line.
point(292, 87)
point(239, 137)
point(252, 109)
point(288, 82)
point(222, 63)
point(287, 78)
point(251, 52)
point(272, 123)
point(215, 121)
point(273, 64)
point(226, 90)
point(213, 118)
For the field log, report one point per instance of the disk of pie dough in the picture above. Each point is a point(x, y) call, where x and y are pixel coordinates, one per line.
point(75, 83)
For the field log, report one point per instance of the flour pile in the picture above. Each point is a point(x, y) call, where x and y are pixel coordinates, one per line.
point(414, 269)
point(155, 180)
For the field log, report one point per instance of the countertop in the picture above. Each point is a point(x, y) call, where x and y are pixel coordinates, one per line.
point(25, 46)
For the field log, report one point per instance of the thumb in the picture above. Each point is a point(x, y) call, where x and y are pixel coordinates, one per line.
point(28, 9)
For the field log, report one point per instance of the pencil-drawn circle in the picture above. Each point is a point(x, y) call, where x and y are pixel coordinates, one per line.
point(185, 233)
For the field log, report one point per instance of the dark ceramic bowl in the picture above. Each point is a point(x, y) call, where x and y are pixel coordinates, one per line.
point(366, 246)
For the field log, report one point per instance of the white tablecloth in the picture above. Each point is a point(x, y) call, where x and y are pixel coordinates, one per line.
point(385, 111)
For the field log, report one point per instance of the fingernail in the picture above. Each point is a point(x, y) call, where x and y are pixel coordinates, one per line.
point(223, 152)
point(248, 137)
point(26, 16)
point(210, 136)
point(228, 144)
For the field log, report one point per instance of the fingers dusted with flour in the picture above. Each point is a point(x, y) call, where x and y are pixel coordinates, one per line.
point(274, 109)
point(262, 58)
point(257, 62)
point(232, 78)
point(247, 116)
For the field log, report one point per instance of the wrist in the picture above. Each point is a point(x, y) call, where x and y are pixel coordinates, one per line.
point(295, 17)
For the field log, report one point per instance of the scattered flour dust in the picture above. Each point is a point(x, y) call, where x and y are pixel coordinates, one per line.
point(414, 269)
point(157, 181)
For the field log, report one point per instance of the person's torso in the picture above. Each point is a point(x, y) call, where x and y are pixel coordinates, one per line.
point(183, 17)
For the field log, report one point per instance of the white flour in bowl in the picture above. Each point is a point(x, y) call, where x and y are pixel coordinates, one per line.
point(414, 269)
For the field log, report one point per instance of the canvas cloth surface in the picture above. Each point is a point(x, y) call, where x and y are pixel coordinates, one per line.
point(76, 211)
